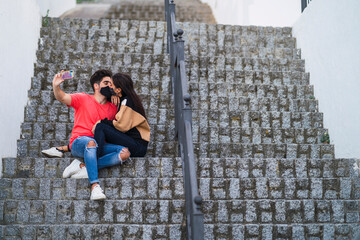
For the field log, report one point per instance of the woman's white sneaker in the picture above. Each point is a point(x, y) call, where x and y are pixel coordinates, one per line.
point(81, 174)
point(53, 152)
point(97, 193)
point(73, 168)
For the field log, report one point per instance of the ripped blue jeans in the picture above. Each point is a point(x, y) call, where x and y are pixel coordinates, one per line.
point(93, 164)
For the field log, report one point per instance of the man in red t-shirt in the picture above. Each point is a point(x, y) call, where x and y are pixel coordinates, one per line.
point(89, 110)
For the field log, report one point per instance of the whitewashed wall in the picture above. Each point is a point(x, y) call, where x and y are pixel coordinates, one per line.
point(277, 13)
point(20, 31)
point(328, 33)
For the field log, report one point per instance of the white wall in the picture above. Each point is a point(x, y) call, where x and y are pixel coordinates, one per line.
point(328, 33)
point(276, 13)
point(20, 31)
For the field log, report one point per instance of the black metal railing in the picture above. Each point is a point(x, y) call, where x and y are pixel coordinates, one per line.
point(183, 124)
point(304, 4)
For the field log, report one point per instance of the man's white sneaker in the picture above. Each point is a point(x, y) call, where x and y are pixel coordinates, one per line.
point(97, 193)
point(81, 174)
point(53, 152)
point(73, 168)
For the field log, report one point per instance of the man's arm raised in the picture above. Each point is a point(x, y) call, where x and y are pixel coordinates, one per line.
point(60, 94)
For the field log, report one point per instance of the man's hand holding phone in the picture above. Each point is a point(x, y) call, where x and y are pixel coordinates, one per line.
point(61, 77)
point(57, 80)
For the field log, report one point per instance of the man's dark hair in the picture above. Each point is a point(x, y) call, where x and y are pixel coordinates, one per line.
point(98, 76)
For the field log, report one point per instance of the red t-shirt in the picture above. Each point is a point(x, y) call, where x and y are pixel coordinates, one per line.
point(87, 112)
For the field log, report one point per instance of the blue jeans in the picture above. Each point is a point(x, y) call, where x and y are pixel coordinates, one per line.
point(93, 164)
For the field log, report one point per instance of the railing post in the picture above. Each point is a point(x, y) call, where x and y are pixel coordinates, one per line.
point(171, 10)
point(180, 45)
point(187, 113)
point(171, 40)
point(175, 84)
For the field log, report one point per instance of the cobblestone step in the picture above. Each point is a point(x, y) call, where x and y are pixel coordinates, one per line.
point(33, 147)
point(172, 211)
point(90, 212)
point(251, 100)
point(146, 11)
point(211, 93)
point(55, 123)
point(150, 167)
point(206, 167)
point(227, 118)
point(215, 150)
point(172, 188)
point(53, 168)
point(156, 79)
point(100, 59)
point(79, 189)
point(259, 36)
point(177, 231)
point(158, 46)
point(58, 131)
point(93, 231)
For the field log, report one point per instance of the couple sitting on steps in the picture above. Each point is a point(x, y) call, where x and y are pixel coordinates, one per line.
point(103, 134)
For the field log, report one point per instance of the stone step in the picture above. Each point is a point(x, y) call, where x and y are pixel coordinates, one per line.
point(251, 99)
point(79, 189)
point(56, 123)
point(100, 59)
point(192, 31)
point(172, 188)
point(227, 118)
point(33, 147)
point(172, 211)
point(149, 167)
point(59, 131)
point(85, 211)
point(146, 80)
point(155, 12)
point(177, 231)
point(158, 78)
point(93, 231)
point(241, 97)
point(159, 46)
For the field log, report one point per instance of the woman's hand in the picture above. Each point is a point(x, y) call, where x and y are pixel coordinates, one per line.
point(115, 100)
point(93, 129)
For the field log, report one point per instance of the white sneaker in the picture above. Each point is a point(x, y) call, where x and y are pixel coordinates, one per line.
point(73, 168)
point(53, 152)
point(97, 193)
point(81, 174)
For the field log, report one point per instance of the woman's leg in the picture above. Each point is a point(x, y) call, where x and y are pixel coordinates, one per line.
point(111, 135)
point(113, 155)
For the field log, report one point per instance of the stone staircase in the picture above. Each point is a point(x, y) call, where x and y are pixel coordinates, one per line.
point(262, 170)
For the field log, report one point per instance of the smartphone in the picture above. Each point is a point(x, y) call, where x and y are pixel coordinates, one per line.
point(67, 74)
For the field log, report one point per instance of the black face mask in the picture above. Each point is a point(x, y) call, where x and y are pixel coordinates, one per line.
point(107, 92)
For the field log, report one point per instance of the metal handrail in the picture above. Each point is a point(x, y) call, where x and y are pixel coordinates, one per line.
point(304, 4)
point(183, 124)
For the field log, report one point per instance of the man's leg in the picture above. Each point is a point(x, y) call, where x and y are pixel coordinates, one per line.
point(85, 147)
